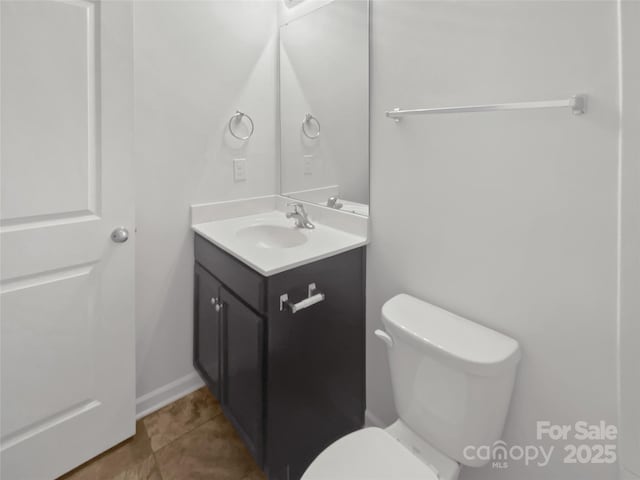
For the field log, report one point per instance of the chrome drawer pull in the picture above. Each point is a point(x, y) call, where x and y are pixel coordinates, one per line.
point(313, 297)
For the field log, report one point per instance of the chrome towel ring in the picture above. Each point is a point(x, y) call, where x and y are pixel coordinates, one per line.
point(308, 118)
point(238, 118)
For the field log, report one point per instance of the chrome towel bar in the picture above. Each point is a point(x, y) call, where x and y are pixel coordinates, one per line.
point(577, 104)
point(313, 297)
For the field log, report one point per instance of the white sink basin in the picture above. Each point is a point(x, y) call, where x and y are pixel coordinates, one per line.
point(271, 236)
point(269, 242)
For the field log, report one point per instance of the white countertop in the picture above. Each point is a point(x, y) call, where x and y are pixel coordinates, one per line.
point(230, 234)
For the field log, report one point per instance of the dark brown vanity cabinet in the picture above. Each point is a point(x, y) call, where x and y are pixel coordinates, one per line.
point(243, 369)
point(291, 383)
point(228, 350)
point(207, 328)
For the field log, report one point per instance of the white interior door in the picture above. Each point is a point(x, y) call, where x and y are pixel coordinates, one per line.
point(67, 313)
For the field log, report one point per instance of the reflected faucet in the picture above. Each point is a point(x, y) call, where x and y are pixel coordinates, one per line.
point(300, 215)
point(332, 202)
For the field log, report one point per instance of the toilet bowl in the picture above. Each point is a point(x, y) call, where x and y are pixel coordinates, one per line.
point(445, 370)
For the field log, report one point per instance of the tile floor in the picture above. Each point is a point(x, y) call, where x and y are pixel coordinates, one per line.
point(188, 440)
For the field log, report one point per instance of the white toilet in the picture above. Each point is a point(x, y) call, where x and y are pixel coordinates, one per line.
point(452, 382)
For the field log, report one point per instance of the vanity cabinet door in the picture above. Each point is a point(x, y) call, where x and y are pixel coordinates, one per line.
point(207, 329)
point(243, 370)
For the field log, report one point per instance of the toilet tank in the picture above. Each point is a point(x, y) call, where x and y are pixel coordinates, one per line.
point(452, 378)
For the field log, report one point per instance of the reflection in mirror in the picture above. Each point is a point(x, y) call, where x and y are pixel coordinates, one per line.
point(324, 106)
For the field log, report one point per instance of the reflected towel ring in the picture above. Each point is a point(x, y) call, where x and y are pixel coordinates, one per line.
point(307, 119)
point(239, 115)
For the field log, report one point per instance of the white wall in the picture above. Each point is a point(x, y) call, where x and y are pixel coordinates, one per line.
point(196, 62)
point(506, 218)
point(630, 245)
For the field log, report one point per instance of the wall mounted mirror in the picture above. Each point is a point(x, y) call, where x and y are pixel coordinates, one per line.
point(324, 106)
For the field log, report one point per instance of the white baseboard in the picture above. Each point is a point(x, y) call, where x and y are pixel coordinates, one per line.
point(160, 397)
point(371, 420)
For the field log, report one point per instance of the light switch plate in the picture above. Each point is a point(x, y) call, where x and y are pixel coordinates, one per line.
point(239, 169)
point(308, 164)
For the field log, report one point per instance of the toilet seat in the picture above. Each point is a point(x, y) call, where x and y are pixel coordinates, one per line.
point(368, 454)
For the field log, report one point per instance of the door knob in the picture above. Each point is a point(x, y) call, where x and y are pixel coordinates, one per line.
point(120, 235)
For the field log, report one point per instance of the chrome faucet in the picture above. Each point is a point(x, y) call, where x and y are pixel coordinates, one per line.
point(332, 202)
point(300, 215)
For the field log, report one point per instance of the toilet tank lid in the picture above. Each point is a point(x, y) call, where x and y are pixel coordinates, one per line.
point(449, 334)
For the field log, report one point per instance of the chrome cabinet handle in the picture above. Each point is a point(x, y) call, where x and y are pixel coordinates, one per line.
point(216, 304)
point(313, 297)
point(120, 235)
